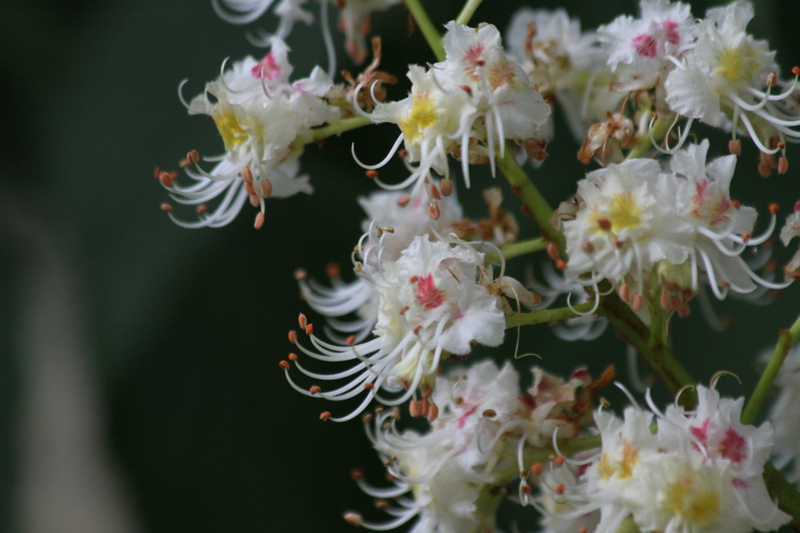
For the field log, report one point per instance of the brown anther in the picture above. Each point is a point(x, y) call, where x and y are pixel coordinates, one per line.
point(447, 187)
point(764, 169)
point(166, 179)
point(552, 251)
point(797, 206)
point(382, 504)
point(525, 489)
point(315, 389)
point(166, 207)
point(254, 201)
point(466, 88)
point(796, 71)
point(417, 329)
point(735, 147)
point(583, 530)
point(354, 518)
point(293, 336)
point(561, 264)
point(783, 165)
point(310, 329)
point(302, 321)
point(619, 244)
point(201, 209)
point(489, 413)
point(356, 474)
point(247, 176)
point(637, 302)
point(523, 474)
point(284, 365)
point(413, 279)
point(157, 172)
point(736, 204)
point(259, 220)
point(292, 357)
point(772, 79)
point(266, 188)
point(192, 157)
point(558, 460)
point(560, 489)
point(325, 416)
point(536, 468)
point(665, 302)
point(435, 192)
point(625, 292)
point(379, 231)
point(604, 402)
point(588, 247)
point(358, 266)
point(402, 154)
point(332, 270)
point(351, 340)
point(300, 274)
point(433, 413)
point(433, 211)
point(403, 310)
point(371, 174)
point(369, 386)
point(780, 145)
point(458, 400)
point(404, 200)
point(494, 491)
point(746, 237)
point(604, 224)
point(773, 208)
point(248, 187)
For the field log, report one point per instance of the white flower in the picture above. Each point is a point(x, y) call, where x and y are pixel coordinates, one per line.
point(621, 230)
point(476, 94)
point(698, 471)
point(565, 65)
point(435, 300)
point(722, 82)
point(405, 216)
point(790, 230)
point(354, 20)
point(258, 115)
point(663, 29)
point(785, 412)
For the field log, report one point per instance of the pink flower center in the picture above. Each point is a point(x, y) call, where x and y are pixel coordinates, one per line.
point(428, 295)
point(733, 447)
point(463, 418)
point(671, 30)
point(267, 68)
point(645, 45)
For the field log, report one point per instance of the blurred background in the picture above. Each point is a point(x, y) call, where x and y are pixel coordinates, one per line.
point(139, 380)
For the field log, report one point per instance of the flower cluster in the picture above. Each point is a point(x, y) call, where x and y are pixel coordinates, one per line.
point(644, 234)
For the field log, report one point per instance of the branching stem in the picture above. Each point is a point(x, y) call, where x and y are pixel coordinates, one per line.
point(427, 28)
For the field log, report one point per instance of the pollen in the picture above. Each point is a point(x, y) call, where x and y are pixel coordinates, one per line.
point(422, 116)
point(229, 128)
point(737, 66)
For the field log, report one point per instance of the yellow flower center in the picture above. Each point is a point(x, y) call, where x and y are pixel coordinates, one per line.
point(697, 505)
point(623, 213)
point(229, 128)
point(737, 66)
point(422, 116)
point(624, 467)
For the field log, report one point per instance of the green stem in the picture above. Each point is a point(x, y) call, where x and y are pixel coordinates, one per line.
point(547, 315)
point(425, 25)
point(532, 198)
point(337, 127)
point(467, 11)
point(786, 338)
point(660, 128)
point(660, 358)
point(656, 314)
point(517, 249)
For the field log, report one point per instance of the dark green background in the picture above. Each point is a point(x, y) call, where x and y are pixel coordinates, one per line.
point(186, 327)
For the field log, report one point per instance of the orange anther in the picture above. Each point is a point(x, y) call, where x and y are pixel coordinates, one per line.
point(259, 220)
point(536, 468)
point(300, 273)
point(783, 165)
point(247, 176)
point(447, 187)
point(736, 204)
point(552, 251)
point(637, 302)
point(266, 188)
point(351, 340)
point(325, 416)
point(369, 386)
point(201, 209)
point(604, 224)
point(560, 489)
point(332, 270)
point(165, 179)
point(404, 200)
point(284, 365)
point(773, 208)
point(796, 71)
point(371, 174)
point(735, 147)
point(292, 357)
point(558, 460)
point(302, 321)
point(310, 329)
point(356, 474)
point(192, 157)
point(293, 336)
point(561, 264)
point(433, 211)
point(166, 207)
point(315, 389)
